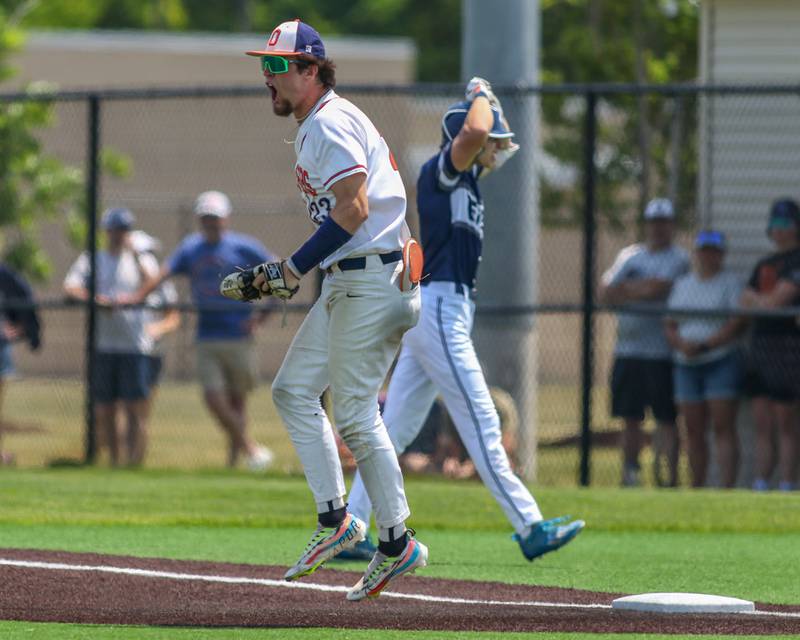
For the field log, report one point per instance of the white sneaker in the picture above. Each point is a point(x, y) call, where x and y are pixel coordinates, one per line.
point(383, 569)
point(325, 543)
point(261, 460)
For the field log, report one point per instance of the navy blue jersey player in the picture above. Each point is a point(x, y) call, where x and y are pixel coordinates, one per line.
point(437, 356)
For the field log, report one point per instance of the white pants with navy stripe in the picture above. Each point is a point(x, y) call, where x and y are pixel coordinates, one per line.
point(438, 357)
point(348, 342)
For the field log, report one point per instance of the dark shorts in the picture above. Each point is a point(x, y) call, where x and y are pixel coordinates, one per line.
point(156, 364)
point(774, 367)
point(638, 383)
point(121, 376)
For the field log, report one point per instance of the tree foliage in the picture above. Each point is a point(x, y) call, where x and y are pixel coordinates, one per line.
point(34, 186)
point(653, 41)
point(646, 147)
point(435, 26)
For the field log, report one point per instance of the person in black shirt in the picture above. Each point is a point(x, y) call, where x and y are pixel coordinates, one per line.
point(18, 321)
point(775, 347)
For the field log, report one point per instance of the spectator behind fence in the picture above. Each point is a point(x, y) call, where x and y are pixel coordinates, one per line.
point(226, 358)
point(708, 366)
point(643, 274)
point(160, 321)
point(122, 366)
point(774, 354)
point(438, 449)
point(16, 323)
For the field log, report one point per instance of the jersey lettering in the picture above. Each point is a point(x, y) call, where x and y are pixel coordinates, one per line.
point(302, 181)
point(318, 210)
point(467, 211)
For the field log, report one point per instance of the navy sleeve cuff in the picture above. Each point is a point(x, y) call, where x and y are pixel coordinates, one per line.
point(325, 240)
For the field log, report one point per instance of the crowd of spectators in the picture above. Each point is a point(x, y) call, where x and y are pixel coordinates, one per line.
point(131, 293)
point(699, 366)
point(686, 368)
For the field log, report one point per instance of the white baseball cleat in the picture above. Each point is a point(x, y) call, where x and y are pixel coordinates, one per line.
point(383, 569)
point(326, 543)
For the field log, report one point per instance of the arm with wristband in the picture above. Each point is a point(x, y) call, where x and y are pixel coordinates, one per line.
point(282, 278)
point(347, 216)
point(337, 145)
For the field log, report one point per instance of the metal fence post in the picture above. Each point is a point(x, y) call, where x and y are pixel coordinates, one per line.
point(92, 189)
point(587, 337)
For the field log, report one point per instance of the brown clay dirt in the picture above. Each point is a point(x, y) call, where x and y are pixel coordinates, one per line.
point(46, 595)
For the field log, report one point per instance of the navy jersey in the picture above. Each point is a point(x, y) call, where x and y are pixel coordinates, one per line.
point(451, 220)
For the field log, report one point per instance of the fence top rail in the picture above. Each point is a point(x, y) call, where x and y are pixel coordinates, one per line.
point(599, 89)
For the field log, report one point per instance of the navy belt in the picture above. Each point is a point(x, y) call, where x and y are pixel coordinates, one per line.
point(356, 264)
point(443, 286)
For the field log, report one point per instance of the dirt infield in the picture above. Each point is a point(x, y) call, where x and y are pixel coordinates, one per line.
point(52, 586)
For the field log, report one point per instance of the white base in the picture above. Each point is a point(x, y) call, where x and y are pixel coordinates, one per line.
point(682, 603)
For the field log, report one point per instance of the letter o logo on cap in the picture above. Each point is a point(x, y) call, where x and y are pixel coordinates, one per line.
point(273, 39)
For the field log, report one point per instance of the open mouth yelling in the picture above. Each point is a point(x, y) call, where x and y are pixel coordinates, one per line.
point(273, 92)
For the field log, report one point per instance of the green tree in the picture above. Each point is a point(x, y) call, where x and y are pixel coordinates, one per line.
point(621, 41)
point(34, 186)
point(434, 26)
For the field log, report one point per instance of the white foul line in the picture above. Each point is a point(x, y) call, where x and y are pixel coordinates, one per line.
point(267, 582)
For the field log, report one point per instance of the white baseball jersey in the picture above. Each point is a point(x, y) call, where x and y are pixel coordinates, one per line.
point(335, 141)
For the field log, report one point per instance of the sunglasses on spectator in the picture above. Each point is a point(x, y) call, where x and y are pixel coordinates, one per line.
point(276, 65)
point(780, 222)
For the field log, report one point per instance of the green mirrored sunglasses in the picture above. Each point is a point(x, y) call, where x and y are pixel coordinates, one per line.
point(275, 64)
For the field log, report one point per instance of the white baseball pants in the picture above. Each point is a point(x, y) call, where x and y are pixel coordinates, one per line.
point(438, 357)
point(348, 341)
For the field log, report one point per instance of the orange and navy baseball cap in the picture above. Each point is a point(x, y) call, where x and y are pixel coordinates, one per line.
point(292, 39)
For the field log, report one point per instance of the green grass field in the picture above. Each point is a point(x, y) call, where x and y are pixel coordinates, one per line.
point(730, 543)
point(183, 435)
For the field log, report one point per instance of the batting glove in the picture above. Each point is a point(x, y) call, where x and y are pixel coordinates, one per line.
point(501, 156)
point(274, 275)
point(241, 286)
point(480, 87)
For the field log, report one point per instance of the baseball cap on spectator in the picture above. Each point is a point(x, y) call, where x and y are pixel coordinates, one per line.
point(784, 214)
point(659, 208)
point(709, 238)
point(118, 218)
point(292, 39)
point(213, 203)
point(453, 119)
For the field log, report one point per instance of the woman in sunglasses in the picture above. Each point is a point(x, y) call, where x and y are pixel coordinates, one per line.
point(774, 354)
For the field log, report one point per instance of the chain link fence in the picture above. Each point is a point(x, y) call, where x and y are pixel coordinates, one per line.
point(721, 155)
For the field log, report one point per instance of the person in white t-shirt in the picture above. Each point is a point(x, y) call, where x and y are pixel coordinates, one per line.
point(122, 370)
point(355, 198)
point(161, 322)
point(708, 365)
point(641, 376)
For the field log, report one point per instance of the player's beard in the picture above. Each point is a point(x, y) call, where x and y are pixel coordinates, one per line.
point(282, 108)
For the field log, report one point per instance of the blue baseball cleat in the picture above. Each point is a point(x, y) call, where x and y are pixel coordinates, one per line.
point(363, 550)
point(548, 535)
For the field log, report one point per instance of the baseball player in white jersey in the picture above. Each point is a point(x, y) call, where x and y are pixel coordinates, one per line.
point(437, 355)
point(355, 197)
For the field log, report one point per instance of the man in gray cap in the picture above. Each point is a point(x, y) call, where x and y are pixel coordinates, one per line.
point(122, 366)
point(642, 275)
